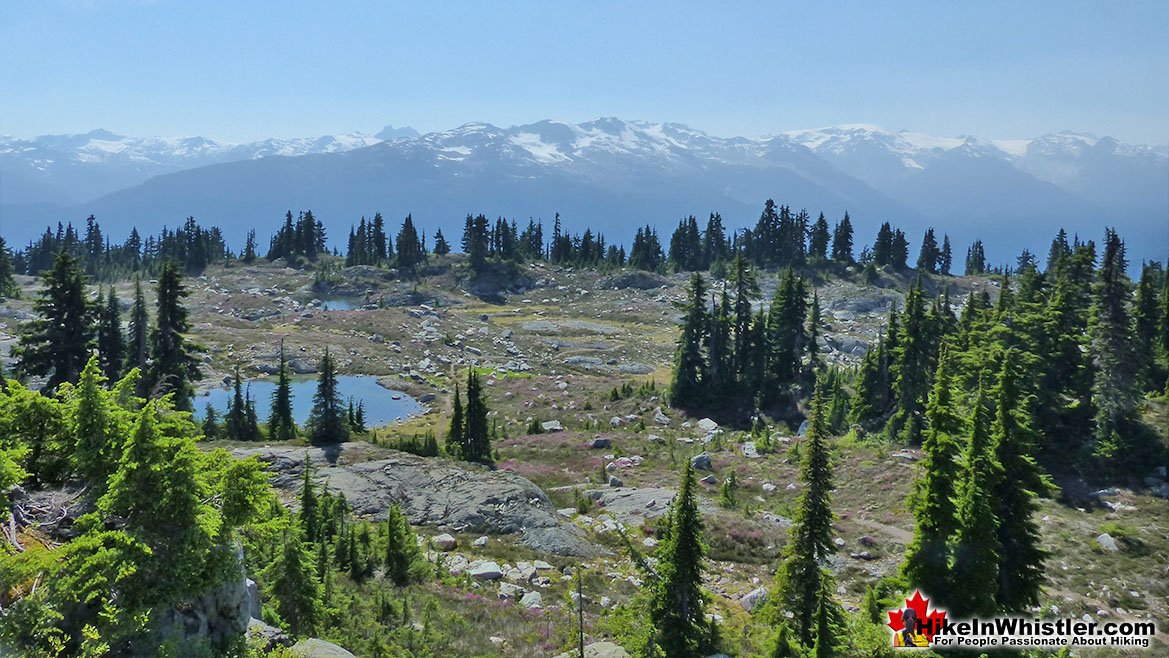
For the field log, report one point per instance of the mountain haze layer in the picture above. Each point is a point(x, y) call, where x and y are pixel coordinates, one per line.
point(609, 174)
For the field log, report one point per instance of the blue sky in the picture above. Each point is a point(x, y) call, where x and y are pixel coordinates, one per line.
point(249, 69)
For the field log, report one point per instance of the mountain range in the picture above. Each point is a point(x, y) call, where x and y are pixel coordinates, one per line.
point(609, 174)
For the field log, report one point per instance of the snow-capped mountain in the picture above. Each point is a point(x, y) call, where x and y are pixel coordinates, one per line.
point(75, 168)
point(608, 173)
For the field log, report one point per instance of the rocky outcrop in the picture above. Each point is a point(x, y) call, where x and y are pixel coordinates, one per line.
point(637, 280)
point(598, 650)
point(431, 492)
point(314, 648)
point(215, 618)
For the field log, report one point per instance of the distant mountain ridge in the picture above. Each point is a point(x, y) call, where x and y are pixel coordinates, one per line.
point(608, 173)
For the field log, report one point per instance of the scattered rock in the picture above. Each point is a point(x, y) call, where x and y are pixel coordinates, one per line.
point(661, 418)
point(635, 280)
point(710, 479)
point(701, 462)
point(314, 648)
point(615, 482)
point(510, 591)
point(755, 597)
point(446, 542)
point(749, 450)
point(600, 442)
point(484, 570)
point(551, 426)
point(437, 493)
point(598, 650)
point(532, 601)
point(707, 425)
point(481, 542)
point(867, 541)
point(266, 637)
point(1107, 542)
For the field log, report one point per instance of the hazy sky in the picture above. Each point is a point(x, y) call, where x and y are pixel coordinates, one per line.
point(248, 69)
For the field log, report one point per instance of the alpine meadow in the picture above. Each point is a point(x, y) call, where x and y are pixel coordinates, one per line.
point(592, 387)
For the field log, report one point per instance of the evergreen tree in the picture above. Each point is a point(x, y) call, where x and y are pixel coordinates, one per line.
point(975, 259)
point(1147, 310)
point(818, 239)
point(910, 370)
point(235, 421)
point(309, 516)
point(326, 423)
point(746, 289)
point(883, 247)
point(111, 348)
point(57, 343)
point(8, 287)
point(899, 251)
point(401, 547)
point(720, 350)
point(946, 259)
point(1114, 392)
point(409, 247)
point(96, 430)
point(976, 548)
point(927, 559)
point(281, 426)
point(1059, 250)
point(476, 241)
point(689, 366)
point(138, 345)
point(1020, 568)
point(476, 440)
point(295, 587)
point(782, 644)
point(454, 435)
point(249, 255)
point(830, 634)
point(842, 241)
point(928, 257)
point(175, 363)
point(441, 246)
point(800, 578)
point(157, 489)
point(251, 419)
point(210, 423)
point(677, 604)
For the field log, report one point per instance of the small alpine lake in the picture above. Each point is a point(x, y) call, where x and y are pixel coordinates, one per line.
point(382, 405)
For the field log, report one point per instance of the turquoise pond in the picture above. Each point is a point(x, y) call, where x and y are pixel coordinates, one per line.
point(340, 304)
point(382, 406)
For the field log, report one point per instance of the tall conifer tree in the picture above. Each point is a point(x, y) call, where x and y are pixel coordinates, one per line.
point(927, 559)
point(689, 366)
point(111, 347)
point(677, 605)
point(327, 423)
point(281, 426)
point(1020, 568)
point(799, 578)
point(57, 343)
point(976, 547)
point(175, 363)
point(476, 440)
point(454, 435)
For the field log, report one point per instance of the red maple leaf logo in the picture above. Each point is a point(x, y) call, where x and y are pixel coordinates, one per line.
point(931, 623)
